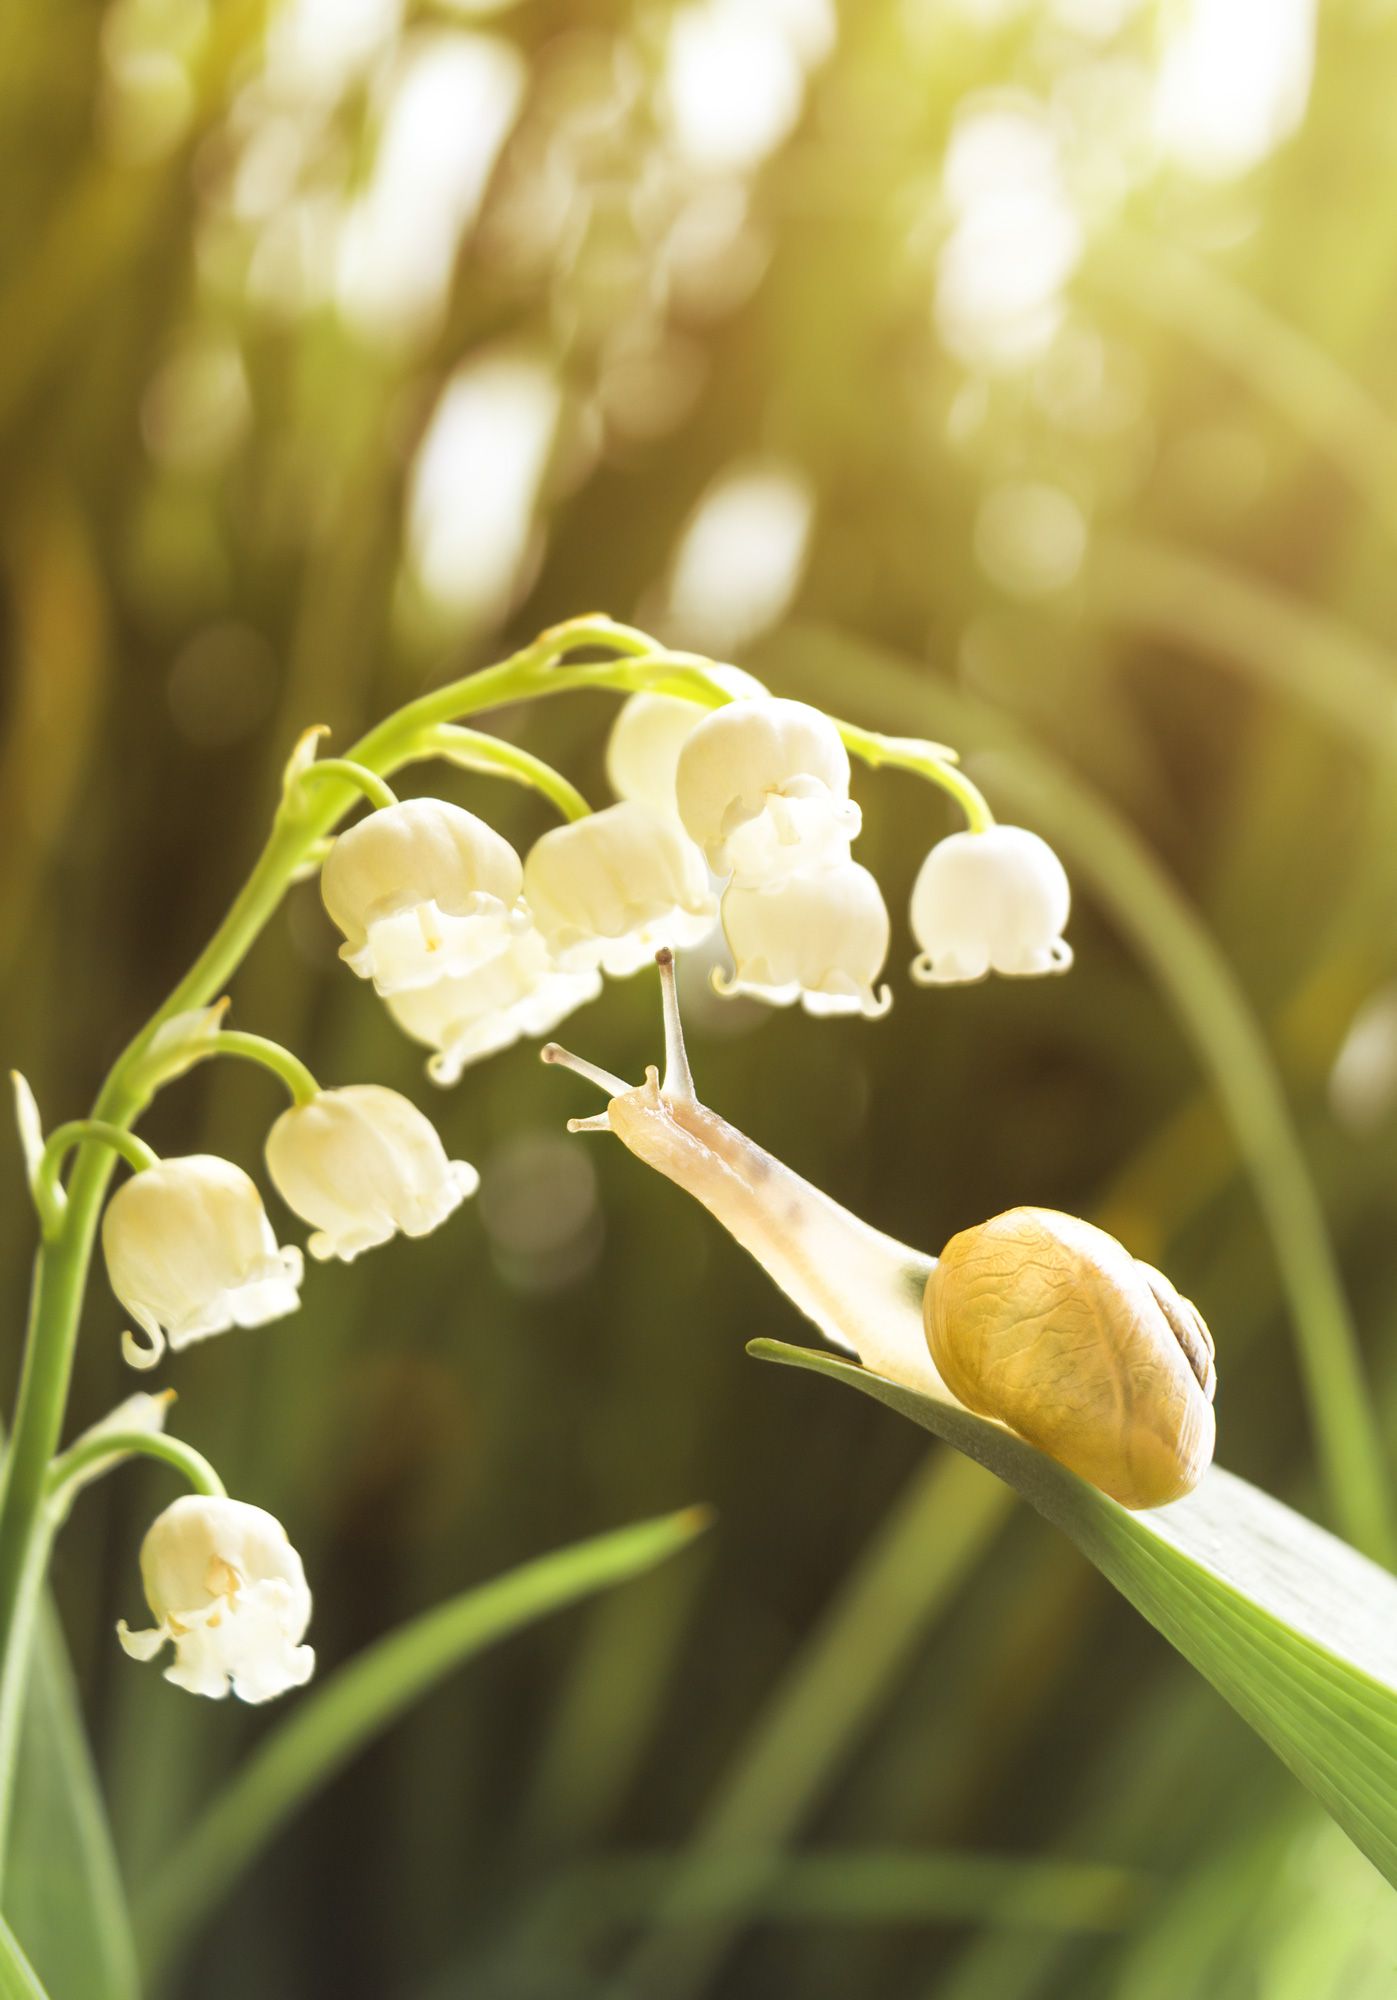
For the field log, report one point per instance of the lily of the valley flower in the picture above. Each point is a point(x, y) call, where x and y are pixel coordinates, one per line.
point(819, 937)
point(763, 787)
point(609, 889)
point(190, 1252)
point(361, 1164)
point(228, 1591)
point(422, 890)
point(650, 730)
point(995, 901)
point(515, 991)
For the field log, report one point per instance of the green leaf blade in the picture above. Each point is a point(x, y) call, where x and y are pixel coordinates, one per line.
point(365, 1697)
point(1294, 1628)
point(63, 1892)
point(18, 1979)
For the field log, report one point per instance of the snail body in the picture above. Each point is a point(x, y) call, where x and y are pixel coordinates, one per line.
point(1050, 1326)
point(1034, 1319)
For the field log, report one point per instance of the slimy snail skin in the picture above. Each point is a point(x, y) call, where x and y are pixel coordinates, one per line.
point(1036, 1320)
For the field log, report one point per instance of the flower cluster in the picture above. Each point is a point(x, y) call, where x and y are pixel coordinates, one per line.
point(738, 814)
point(190, 1252)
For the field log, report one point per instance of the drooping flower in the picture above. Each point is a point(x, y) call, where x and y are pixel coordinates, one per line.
point(228, 1591)
point(516, 991)
point(763, 787)
point(819, 937)
point(993, 901)
point(650, 730)
point(190, 1252)
point(609, 889)
point(361, 1164)
point(422, 890)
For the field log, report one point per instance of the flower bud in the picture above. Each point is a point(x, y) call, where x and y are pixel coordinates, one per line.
point(992, 901)
point(421, 890)
point(649, 732)
point(609, 889)
point(190, 1252)
point(228, 1591)
point(763, 787)
point(361, 1164)
point(819, 937)
point(517, 990)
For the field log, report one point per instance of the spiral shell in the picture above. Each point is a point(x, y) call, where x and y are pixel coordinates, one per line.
point(1049, 1325)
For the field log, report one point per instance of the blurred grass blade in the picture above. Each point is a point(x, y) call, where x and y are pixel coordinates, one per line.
point(1297, 1630)
point(18, 1979)
point(940, 1527)
point(1277, 361)
point(362, 1699)
point(63, 1894)
point(1277, 640)
point(879, 1887)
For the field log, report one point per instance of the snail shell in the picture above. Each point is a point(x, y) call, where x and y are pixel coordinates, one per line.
point(1051, 1326)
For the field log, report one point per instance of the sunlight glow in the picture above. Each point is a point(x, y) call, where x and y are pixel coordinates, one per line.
point(451, 106)
point(741, 557)
point(1234, 82)
point(734, 81)
point(475, 485)
point(1015, 241)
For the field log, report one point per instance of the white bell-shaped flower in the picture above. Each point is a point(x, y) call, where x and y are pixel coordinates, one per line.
point(995, 901)
point(608, 890)
point(422, 891)
point(650, 730)
point(516, 991)
point(228, 1591)
point(763, 787)
point(819, 937)
point(361, 1164)
point(190, 1252)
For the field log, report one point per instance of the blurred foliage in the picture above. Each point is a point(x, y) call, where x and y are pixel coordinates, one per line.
point(342, 347)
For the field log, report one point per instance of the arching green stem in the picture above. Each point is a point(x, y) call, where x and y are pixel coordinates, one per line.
point(929, 760)
point(473, 750)
point(368, 782)
point(90, 1451)
point(271, 1056)
point(49, 1197)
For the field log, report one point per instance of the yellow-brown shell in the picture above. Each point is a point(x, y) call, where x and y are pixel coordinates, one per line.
point(1051, 1326)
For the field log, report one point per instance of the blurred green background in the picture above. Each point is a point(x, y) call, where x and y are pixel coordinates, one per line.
point(1014, 372)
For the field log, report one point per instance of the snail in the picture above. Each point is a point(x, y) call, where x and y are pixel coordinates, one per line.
point(1036, 1320)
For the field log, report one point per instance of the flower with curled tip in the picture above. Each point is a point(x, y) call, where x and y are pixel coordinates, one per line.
point(995, 901)
point(190, 1252)
point(361, 1164)
point(228, 1591)
point(650, 730)
point(515, 991)
point(609, 889)
point(763, 787)
point(422, 890)
point(819, 937)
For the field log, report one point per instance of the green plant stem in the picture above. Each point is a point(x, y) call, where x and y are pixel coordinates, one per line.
point(473, 750)
point(91, 1451)
point(270, 1055)
point(375, 790)
point(929, 760)
point(49, 1198)
point(306, 815)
